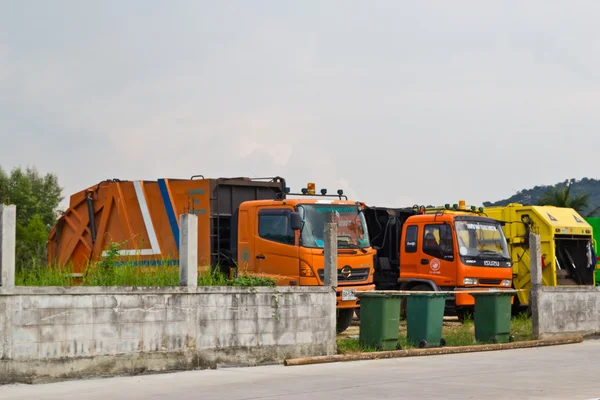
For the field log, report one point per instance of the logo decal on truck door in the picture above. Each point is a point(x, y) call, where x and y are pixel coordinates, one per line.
point(434, 265)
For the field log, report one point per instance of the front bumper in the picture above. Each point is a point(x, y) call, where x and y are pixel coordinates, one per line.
point(351, 303)
point(466, 300)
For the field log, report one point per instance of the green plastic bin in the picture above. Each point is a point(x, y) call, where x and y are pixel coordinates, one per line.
point(492, 316)
point(379, 320)
point(425, 318)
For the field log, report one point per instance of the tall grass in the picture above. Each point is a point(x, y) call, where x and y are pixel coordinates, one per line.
point(110, 272)
point(521, 327)
point(43, 276)
point(129, 275)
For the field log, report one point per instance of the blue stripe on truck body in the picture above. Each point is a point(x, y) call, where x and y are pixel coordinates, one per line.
point(164, 191)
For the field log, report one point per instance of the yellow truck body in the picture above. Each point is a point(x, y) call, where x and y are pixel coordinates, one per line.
point(565, 236)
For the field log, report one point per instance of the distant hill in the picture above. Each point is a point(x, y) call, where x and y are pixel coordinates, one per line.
point(531, 196)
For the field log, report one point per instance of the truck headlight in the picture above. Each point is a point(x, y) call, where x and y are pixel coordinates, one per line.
point(470, 281)
point(506, 282)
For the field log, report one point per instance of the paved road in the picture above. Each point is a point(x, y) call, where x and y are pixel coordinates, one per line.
point(561, 372)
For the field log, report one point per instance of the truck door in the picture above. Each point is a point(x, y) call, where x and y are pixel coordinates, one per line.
point(275, 247)
point(437, 254)
point(409, 256)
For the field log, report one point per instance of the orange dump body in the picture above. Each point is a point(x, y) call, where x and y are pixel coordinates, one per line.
point(143, 217)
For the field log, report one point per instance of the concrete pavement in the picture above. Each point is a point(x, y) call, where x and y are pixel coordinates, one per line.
point(560, 372)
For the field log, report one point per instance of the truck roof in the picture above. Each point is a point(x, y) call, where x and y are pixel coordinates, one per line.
point(297, 201)
point(562, 220)
point(450, 216)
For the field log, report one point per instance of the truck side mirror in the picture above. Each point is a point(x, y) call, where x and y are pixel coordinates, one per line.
point(295, 221)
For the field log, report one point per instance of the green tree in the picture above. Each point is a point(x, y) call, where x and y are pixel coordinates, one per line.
point(563, 197)
point(37, 198)
point(31, 243)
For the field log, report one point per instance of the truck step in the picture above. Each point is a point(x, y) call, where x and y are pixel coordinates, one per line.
point(566, 282)
point(562, 274)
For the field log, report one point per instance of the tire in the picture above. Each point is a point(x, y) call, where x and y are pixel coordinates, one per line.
point(421, 287)
point(465, 313)
point(422, 343)
point(494, 340)
point(511, 338)
point(344, 319)
point(398, 346)
point(517, 308)
point(442, 342)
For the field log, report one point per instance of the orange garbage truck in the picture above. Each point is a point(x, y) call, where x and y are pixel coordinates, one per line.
point(255, 225)
point(447, 249)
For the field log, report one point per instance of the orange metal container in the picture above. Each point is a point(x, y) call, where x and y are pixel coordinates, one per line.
point(142, 216)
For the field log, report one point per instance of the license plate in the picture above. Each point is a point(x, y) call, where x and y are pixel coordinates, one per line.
point(348, 294)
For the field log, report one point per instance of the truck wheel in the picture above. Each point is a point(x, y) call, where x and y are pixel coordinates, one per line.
point(464, 314)
point(518, 308)
point(344, 319)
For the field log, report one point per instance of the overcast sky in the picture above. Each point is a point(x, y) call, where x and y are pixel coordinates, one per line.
point(397, 102)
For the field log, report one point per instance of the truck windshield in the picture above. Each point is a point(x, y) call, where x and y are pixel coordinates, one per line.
point(352, 227)
point(481, 239)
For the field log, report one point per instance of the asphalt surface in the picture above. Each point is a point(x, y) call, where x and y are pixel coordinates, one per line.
point(559, 372)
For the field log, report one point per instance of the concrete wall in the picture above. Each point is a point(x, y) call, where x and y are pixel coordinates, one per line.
point(565, 310)
point(57, 333)
point(560, 310)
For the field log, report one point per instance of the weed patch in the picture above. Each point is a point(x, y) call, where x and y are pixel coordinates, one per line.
point(455, 334)
point(112, 271)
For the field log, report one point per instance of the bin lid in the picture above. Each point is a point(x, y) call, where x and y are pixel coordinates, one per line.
point(422, 294)
point(494, 293)
point(379, 295)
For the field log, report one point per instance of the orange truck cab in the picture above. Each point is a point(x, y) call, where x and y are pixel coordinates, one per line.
point(245, 224)
point(448, 249)
point(284, 239)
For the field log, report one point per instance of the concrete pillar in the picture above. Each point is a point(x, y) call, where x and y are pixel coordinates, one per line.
point(188, 250)
point(8, 241)
point(331, 273)
point(535, 269)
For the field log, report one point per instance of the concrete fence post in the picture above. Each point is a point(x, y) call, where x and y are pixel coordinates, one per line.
point(8, 242)
point(535, 270)
point(330, 251)
point(188, 250)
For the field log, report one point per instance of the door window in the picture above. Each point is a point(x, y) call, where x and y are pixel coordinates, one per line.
point(274, 225)
point(437, 240)
point(412, 235)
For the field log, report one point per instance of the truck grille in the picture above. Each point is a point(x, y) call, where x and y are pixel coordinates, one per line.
point(490, 281)
point(356, 275)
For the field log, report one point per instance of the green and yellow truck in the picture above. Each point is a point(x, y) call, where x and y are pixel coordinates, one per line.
point(595, 224)
point(566, 239)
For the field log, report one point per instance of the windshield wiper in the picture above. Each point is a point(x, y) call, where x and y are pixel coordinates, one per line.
point(491, 253)
point(355, 246)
